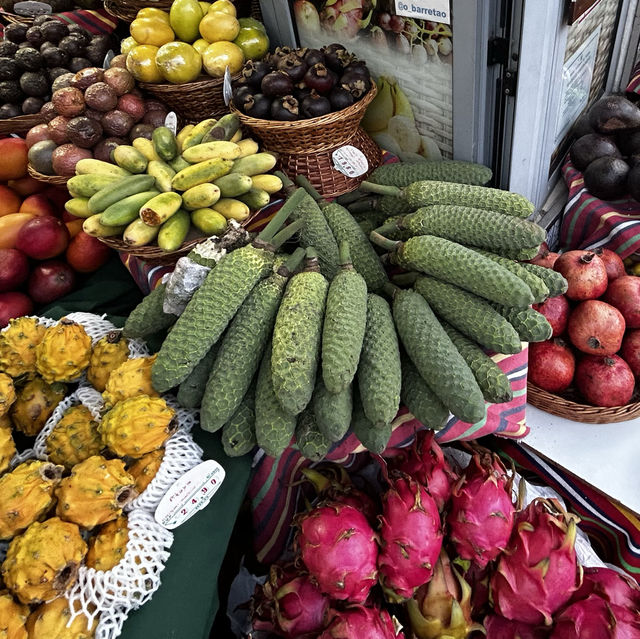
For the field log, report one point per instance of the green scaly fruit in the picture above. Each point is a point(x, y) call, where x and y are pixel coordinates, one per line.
point(531, 325)
point(421, 401)
point(436, 358)
point(311, 442)
point(191, 390)
point(555, 281)
point(470, 314)
point(450, 171)
point(379, 371)
point(148, 317)
point(373, 438)
point(332, 411)
point(239, 433)
point(493, 382)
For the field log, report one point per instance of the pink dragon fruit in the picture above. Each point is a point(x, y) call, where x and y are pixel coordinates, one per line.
point(538, 572)
point(343, 19)
point(425, 462)
point(500, 628)
point(481, 512)
point(442, 608)
point(609, 584)
point(411, 538)
point(301, 608)
point(340, 550)
point(358, 622)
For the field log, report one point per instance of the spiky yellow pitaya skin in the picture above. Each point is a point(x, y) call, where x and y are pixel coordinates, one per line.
point(95, 492)
point(108, 353)
point(42, 563)
point(138, 425)
point(130, 379)
point(50, 620)
point(34, 404)
point(26, 495)
point(13, 616)
point(18, 346)
point(74, 438)
point(7, 445)
point(109, 545)
point(64, 352)
point(143, 470)
point(7, 393)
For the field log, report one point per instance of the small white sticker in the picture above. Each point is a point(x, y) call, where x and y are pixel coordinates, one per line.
point(227, 91)
point(107, 59)
point(350, 161)
point(171, 122)
point(433, 10)
point(191, 493)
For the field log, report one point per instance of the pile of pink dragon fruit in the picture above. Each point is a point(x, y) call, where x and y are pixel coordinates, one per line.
point(439, 555)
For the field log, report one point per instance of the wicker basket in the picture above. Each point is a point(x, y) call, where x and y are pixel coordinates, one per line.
point(306, 136)
point(54, 180)
point(577, 412)
point(127, 10)
point(14, 18)
point(20, 124)
point(192, 101)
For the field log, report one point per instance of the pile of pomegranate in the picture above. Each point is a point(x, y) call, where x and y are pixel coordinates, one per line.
point(594, 351)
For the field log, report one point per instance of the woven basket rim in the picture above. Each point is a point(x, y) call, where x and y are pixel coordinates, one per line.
point(577, 412)
point(200, 82)
point(49, 179)
point(20, 123)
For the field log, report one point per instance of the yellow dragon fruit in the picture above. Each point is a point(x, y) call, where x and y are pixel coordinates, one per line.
point(64, 352)
point(7, 445)
point(42, 563)
point(34, 405)
point(130, 379)
point(143, 470)
point(13, 616)
point(138, 425)
point(107, 548)
point(50, 620)
point(26, 494)
point(7, 393)
point(107, 355)
point(18, 346)
point(74, 438)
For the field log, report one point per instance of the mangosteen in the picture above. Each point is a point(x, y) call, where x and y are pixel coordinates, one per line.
point(358, 67)
point(32, 105)
point(253, 72)
point(9, 69)
point(84, 132)
point(336, 57)
point(340, 99)
point(285, 109)
point(276, 83)
point(280, 52)
point(313, 56)
point(240, 96)
point(55, 57)
point(15, 32)
point(606, 178)
point(80, 34)
point(54, 31)
point(35, 36)
point(78, 64)
point(10, 91)
point(87, 76)
point(9, 111)
point(29, 59)
point(356, 84)
point(258, 106)
point(315, 105)
point(293, 66)
point(62, 81)
point(320, 78)
point(40, 20)
point(34, 83)
point(102, 97)
point(70, 46)
point(55, 73)
point(8, 49)
point(301, 91)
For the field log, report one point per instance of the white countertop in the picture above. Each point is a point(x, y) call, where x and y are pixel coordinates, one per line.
point(605, 455)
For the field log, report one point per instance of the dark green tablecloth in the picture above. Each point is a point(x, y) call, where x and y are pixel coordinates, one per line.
point(186, 603)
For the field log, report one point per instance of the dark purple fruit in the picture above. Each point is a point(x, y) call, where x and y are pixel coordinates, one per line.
point(340, 99)
point(9, 111)
point(80, 34)
point(356, 84)
point(77, 64)
point(34, 83)
point(62, 81)
point(285, 109)
point(258, 106)
point(590, 147)
point(9, 69)
point(32, 105)
point(71, 46)
point(276, 84)
point(16, 32)
point(35, 36)
point(315, 105)
point(84, 132)
point(313, 56)
point(358, 67)
point(241, 95)
point(8, 48)
point(279, 53)
point(319, 78)
point(293, 66)
point(48, 111)
point(55, 57)
point(301, 91)
point(28, 59)
point(41, 19)
point(336, 57)
point(253, 72)
point(54, 31)
point(10, 92)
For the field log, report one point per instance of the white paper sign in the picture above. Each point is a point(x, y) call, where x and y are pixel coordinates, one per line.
point(171, 122)
point(350, 161)
point(434, 10)
point(191, 493)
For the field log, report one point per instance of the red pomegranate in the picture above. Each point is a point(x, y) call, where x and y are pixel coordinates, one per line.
point(624, 294)
point(545, 257)
point(585, 272)
point(605, 381)
point(612, 262)
point(551, 365)
point(596, 328)
point(556, 310)
point(630, 351)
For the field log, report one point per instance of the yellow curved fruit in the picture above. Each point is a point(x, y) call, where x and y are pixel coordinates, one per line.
point(13, 616)
point(224, 6)
point(34, 405)
point(127, 44)
point(152, 12)
point(184, 18)
point(7, 393)
point(200, 45)
point(109, 545)
point(7, 445)
point(153, 31)
point(109, 352)
point(141, 63)
point(217, 26)
point(50, 620)
point(130, 379)
point(220, 55)
point(143, 470)
point(42, 563)
point(74, 438)
point(64, 352)
point(178, 62)
point(18, 346)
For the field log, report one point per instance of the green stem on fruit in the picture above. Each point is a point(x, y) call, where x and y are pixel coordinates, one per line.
point(267, 234)
point(383, 242)
point(381, 189)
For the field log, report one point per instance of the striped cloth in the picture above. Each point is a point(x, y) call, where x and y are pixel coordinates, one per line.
point(634, 83)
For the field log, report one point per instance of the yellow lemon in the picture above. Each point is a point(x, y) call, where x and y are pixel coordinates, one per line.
point(220, 55)
point(153, 31)
point(141, 63)
point(200, 45)
point(217, 26)
point(127, 44)
point(152, 12)
point(178, 62)
point(224, 6)
point(205, 7)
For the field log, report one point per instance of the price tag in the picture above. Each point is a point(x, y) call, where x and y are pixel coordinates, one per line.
point(189, 494)
point(171, 122)
point(107, 59)
point(350, 161)
point(226, 87)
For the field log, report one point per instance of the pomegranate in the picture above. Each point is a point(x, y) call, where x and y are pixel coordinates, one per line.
point(630, 351)
point(545, 257)
point(551, 365)
point(13, 304)
point(624, 294)
point(43, 237)
point(50, 280)
point(14, 269)
point(612, 262)
point(585, 272)
point(596, 328)
point(556, 310)
point(605, 381)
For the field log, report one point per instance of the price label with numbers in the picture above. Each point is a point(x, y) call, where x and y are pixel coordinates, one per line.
point(350, 161)
point(171, 122)
point(189, 494)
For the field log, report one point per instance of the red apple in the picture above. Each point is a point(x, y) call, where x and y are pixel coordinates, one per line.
point(86, 253)
point(37, 204)
point(551, 365)
point(612, 262)
point(14, 269)
point(50, 280)
point(624, 294)
point(556, 310)
point(13, 304)
point(630, 350)
point(43, 237)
